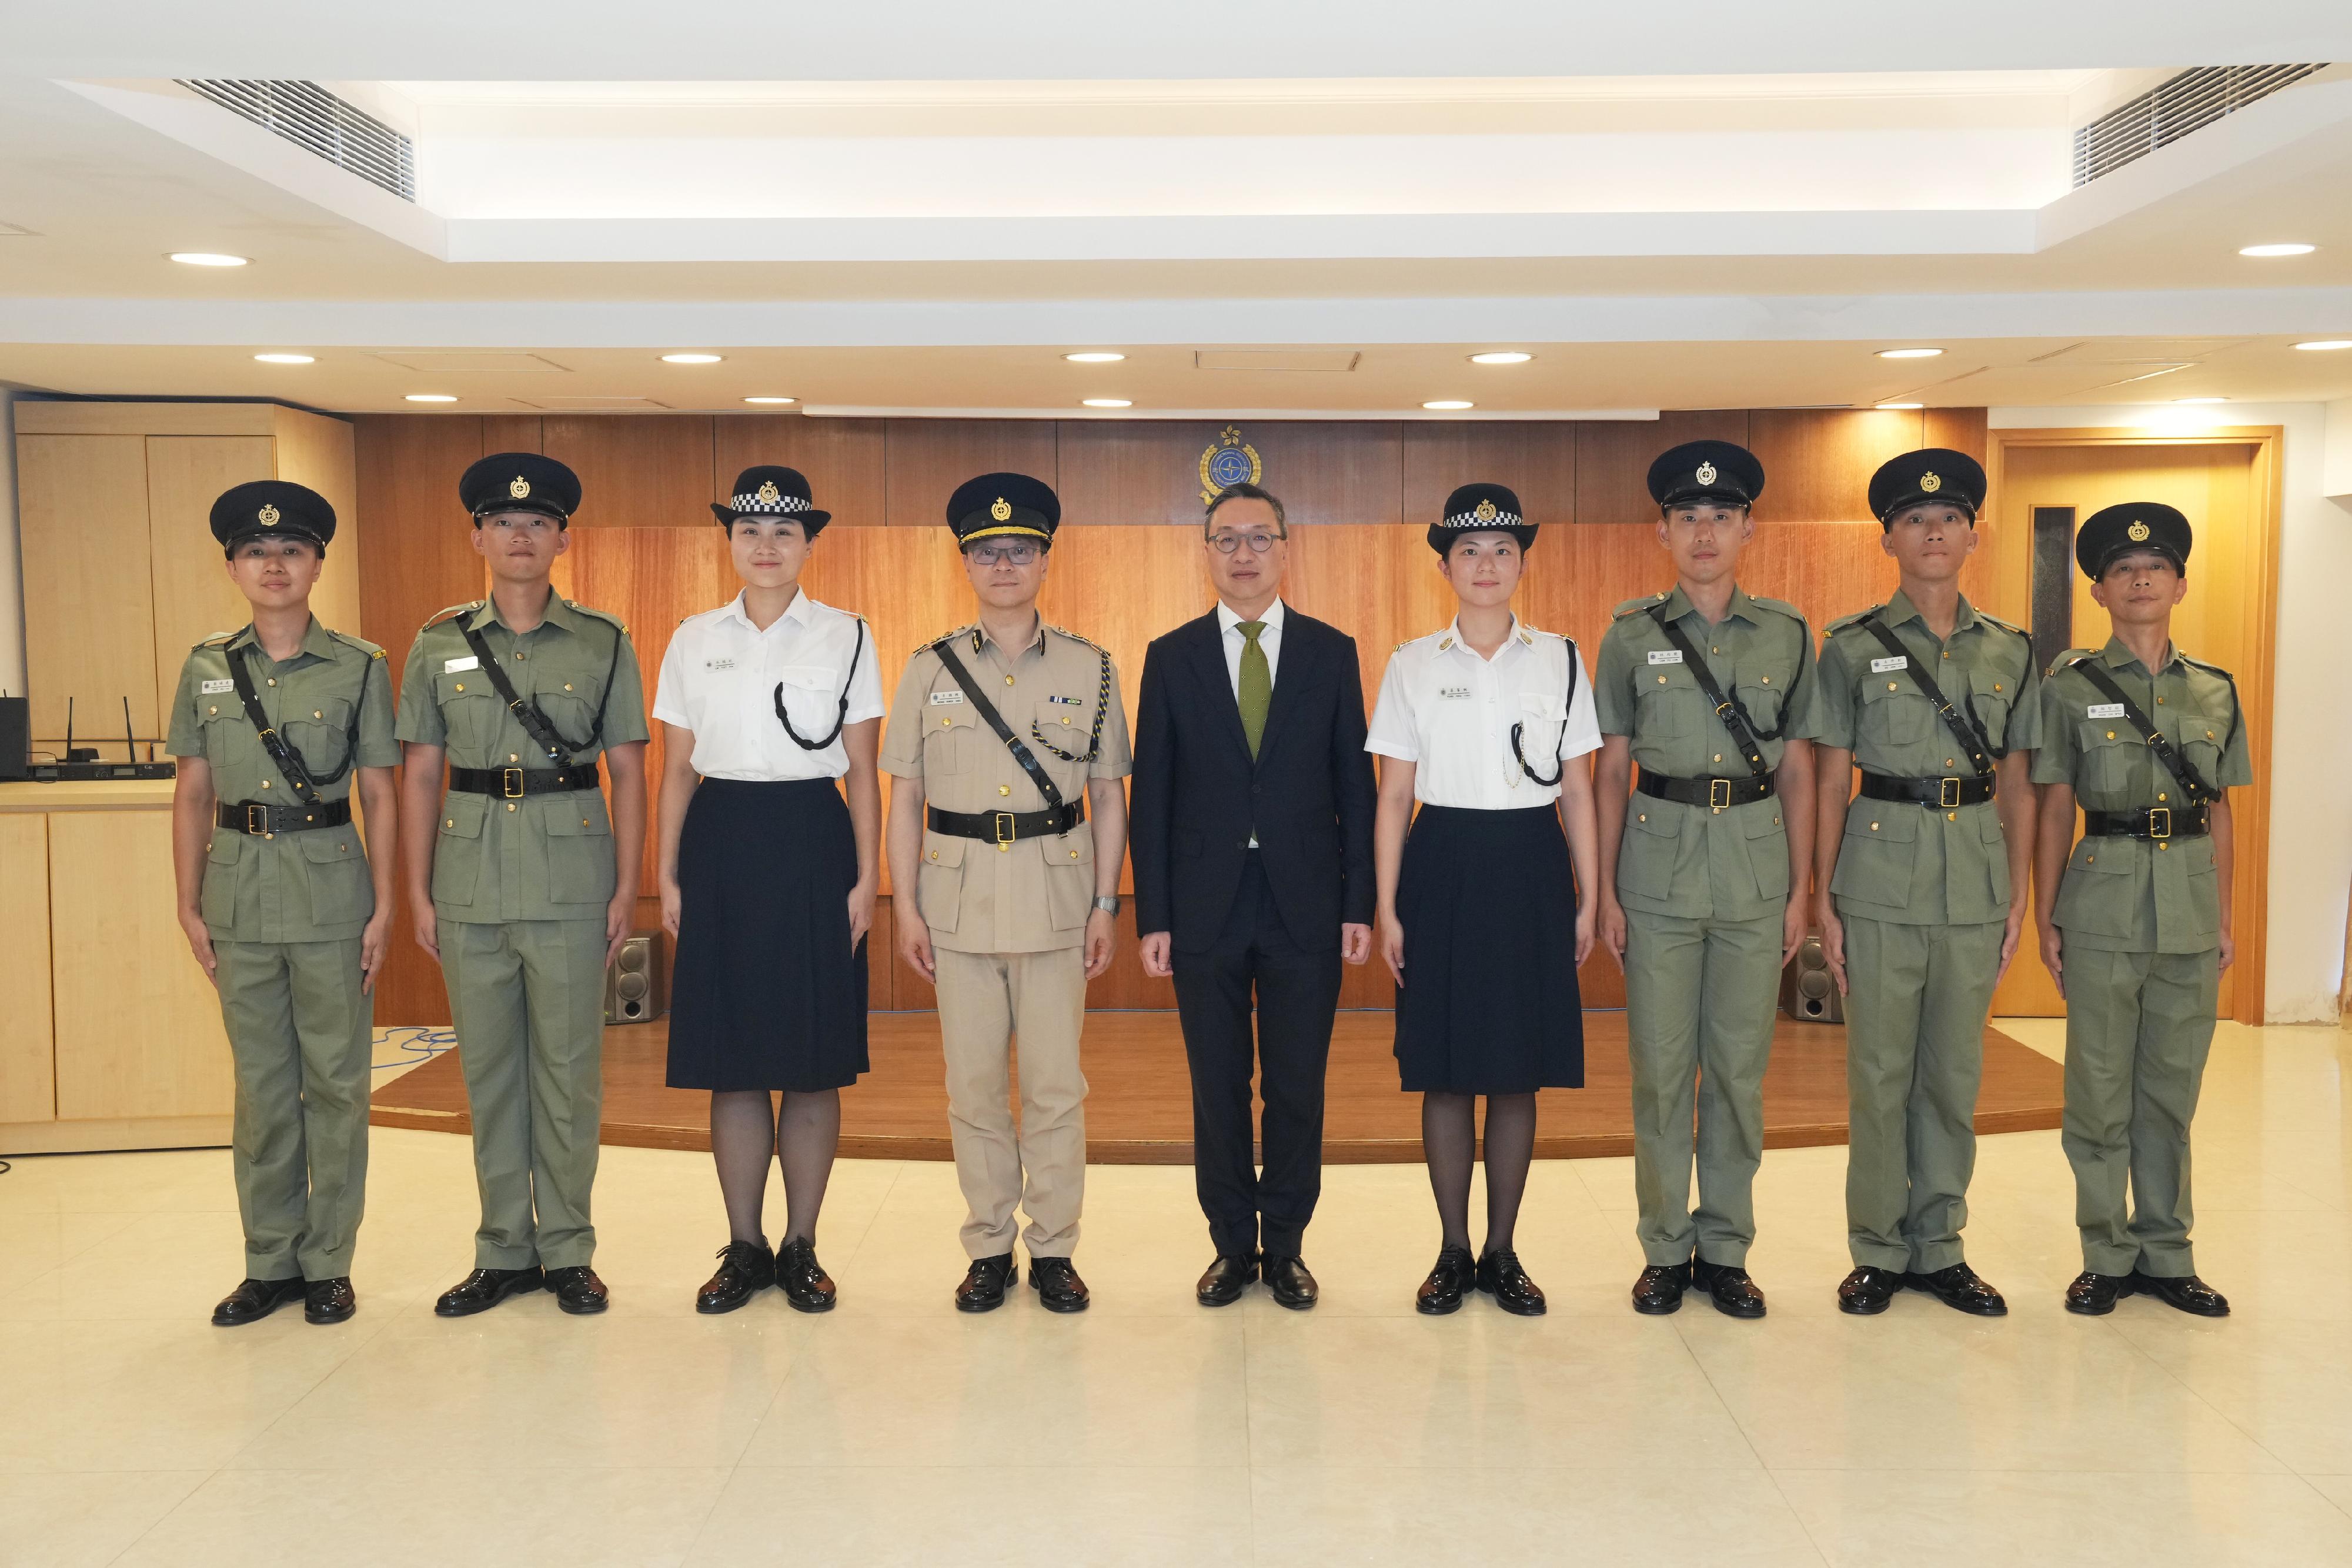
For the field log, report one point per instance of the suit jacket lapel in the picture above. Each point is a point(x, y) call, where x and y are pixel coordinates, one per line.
point(1208, 643)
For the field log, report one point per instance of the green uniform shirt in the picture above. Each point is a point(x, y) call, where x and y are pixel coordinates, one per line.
point(2138, 896)
point(1691, 861)
point(1920, 865)
point(544, 857)
point(332, 696)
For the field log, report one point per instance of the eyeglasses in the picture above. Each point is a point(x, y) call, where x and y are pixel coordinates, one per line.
point(1258, 543)
point(1022, 554)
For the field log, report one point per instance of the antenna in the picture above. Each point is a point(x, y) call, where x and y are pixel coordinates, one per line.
point(70, 755)
point(130, 741)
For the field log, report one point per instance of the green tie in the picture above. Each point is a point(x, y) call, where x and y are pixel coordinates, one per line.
point(1257, 685)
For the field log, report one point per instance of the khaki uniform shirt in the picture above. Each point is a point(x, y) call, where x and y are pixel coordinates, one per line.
point(1032, 895)
point(1910, 864)
point(2138, 896)
point(1692, 862)
point(543, 857)
point(332, 696)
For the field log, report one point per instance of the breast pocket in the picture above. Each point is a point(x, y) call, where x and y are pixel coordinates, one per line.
point(457, 854)
point(340, 889)
point(1067, 723)
point(949, 741)
point(2109, 749)
point(1542, 719)
point(1761, 694)
point(1879, 851)
point(1069, 878)
point(471, 710)
point(581, 866)
point(1990, 699)
point(810, 695)
point(1668, 703)
point(321, 734)
point(1893, 713)
point(939, 881)
point(2199, 736)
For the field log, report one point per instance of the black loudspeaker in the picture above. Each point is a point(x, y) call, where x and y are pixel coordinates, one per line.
point(1808, 992)
point(634, 987)
point(15, 738)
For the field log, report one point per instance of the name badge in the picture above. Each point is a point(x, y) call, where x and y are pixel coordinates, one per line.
point(943, 699)
point(2106, 710)
point(452, 666)
point(718, 663)
point(1454, 694)
point(1665, 655)
point(210, 688)
point(1880, 667)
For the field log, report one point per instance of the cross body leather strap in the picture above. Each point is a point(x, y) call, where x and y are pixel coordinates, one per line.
point(536, 724)
point(1734, 717)
point(1964, 726)
point(2200, 792)
point(289, 762)
point(995, 721)
point(841, 715)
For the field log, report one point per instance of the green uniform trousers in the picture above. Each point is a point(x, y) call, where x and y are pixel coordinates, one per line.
point(2138, 1028)
point(1915, 1021)
point(528, 998)
point(301, 1035)
point(1699, 996)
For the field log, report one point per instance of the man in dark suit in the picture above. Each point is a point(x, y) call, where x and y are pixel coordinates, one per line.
point(1252, 835)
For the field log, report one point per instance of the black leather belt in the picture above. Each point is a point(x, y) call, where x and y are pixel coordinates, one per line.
point(267, 819)
point(2154, 822)
point(513, 783)
point(1716, 793)
point(1943, 792)
point(1005, 827)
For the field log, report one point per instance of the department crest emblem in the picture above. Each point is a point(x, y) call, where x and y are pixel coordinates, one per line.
point(268, 515)
point(1930, 483)
point(2137, 532)
point(519, 488)
point(1229, 461)
point(1485, 512)
point(1001, 509)
point(1706, 475)
point(768, 495)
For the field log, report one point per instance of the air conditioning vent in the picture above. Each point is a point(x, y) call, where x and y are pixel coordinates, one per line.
point(319, 122)
point(2189, 101)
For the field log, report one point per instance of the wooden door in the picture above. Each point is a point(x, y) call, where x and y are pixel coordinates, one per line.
point(88, 637)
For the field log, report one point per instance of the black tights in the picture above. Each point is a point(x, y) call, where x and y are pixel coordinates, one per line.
point(747, 1130)
point(1449, 1138)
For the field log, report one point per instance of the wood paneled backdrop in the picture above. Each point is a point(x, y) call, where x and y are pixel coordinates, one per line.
point(1126, 567)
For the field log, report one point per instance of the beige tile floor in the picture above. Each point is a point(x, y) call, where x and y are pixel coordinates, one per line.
point(1150, 1431)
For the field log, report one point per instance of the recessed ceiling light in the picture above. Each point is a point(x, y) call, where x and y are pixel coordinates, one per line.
point(2267, 250)
point(2324, 345)
point(1108, 401)
point(206, 258)
point(1447, 404)
point(432, 397)
point(1501, 357)
point(2200, 399)
point(286, 359)
point(1908, 353)
point(1900, 405)
point(770, 400)
point(1095, 357)
point(690, 359)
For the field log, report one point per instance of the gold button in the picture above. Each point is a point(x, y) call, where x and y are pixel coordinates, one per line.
point(1662, 680)
point(1776, 821)
point(1763, 680)
point(449, 822)
point(1947, 762)
point(215, 710)
point(945, 722)
point(1948, 655)
point(316, 713)
point(584, 821)
point(2090, 860)
point(567, 686)
point(1074, 855)
point(1951, 816)
point(273, 681)
point(512, 757)
point(346, 849)
point(1005, 788)
point(1718, 757)
point(1873, 827)
point(1004, 849)
point(461, 685)
point(1715, 650)
point(2208, 734)
point(1008, 680)
point(264, 783)
point(2159, 701)
point(935, 854)
point(520, 654)
point(2164, 846)
point(1890, 686)
point(2111, 734)
point(2162, 796)
point(1996, 686)
point(510, 805)
point(1645, 817)
point(270, 835)
point(1065, 722)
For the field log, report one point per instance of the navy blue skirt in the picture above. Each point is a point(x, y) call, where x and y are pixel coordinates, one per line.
point(1489, 1003)
point(767, 992)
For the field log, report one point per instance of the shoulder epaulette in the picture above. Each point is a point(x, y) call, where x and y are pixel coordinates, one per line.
point(605, 615)
point(2070, 657)
point(1856, 619)
point(2210, 669)
point(1635, 606)
point(1780, 605)
point(359, 643)
point(439, 616)
point(2006, 625)
point(949, 637)
point(216, 640)
point(1073, 637)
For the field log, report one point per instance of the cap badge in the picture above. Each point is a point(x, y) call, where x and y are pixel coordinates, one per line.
point(519, 488)
point(2137, 532)
point(767, 495)
point(1930, 483)
point(1485, 511)
point(1706, 475)
point(1001, 509)
point(1227, 461)
point(268, 515)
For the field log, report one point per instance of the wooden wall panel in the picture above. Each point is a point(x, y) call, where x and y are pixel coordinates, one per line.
point(1536, 458)
point(317, 451)
point(508, 433)
point(193, 597)
point(1961, 429)
point(28, 1085)
point(925, 460)
point(1614, 458)
point(88, 637)
point(1818, 462)
point(1332, 471)
point(1135, 471)
point(841, 459)
point(637, 470)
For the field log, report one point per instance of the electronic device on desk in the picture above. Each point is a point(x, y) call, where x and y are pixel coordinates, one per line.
point(82, 764)
point(16, 737)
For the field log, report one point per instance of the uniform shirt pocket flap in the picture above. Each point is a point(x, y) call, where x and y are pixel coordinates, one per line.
point(1894, 822)
point(1660, 824)
point(1764, 824)
point(2095, 856)
point(228, 844)
point(1070, 849)
point(1990, 824)
point(1544, 706)
point(808, 677)
point(943, 849)
point(462, 685)
point(583, 820)
point(461, 816)
point(328, 848)
point(2095, 733)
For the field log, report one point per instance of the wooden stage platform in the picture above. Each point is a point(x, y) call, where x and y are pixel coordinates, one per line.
point(1139, 1104)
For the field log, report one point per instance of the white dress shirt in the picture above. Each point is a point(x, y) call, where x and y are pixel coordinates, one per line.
point(1450, 712)
point(1269, 642)
point(719, 677)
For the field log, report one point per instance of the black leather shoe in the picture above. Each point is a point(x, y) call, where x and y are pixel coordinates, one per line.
point(983, 1290)
point(577, 1290)
point(2094, 1295)
point(329, 1300)
point(2183, 1292)
point(486, 1288)
point(1289, 1283)
point(745, 1269)
point(1869, 1291)
point(254, 1300)
point(1057, 1285)
point(807, 1287)
point(1727, 1285)
point(1451, 1277)
point(1226, 1281)
point(1500, 1276)
point(1660, 1288)
point(1958, 1287)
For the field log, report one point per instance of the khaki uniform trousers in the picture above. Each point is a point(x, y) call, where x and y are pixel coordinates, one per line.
point(1700, 996)
point(528, 998)
point(1914, 1019)
point(301, 1036)
point(2138, 1028)
point(985, 1000)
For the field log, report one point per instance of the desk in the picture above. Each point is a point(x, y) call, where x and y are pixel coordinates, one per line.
point(110, 1036)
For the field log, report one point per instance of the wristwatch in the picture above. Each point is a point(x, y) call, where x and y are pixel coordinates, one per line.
point(1107, 902)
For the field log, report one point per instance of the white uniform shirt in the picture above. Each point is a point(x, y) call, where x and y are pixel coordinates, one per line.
point(1269, 641)
point(1449, 712)
point(719, 677)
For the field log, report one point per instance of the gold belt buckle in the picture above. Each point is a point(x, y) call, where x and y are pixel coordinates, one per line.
point(2153, 813)
point(1002, 823)
point(257, 817)
point(1718, 794)
point(1948, 793)
point(511, 783)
